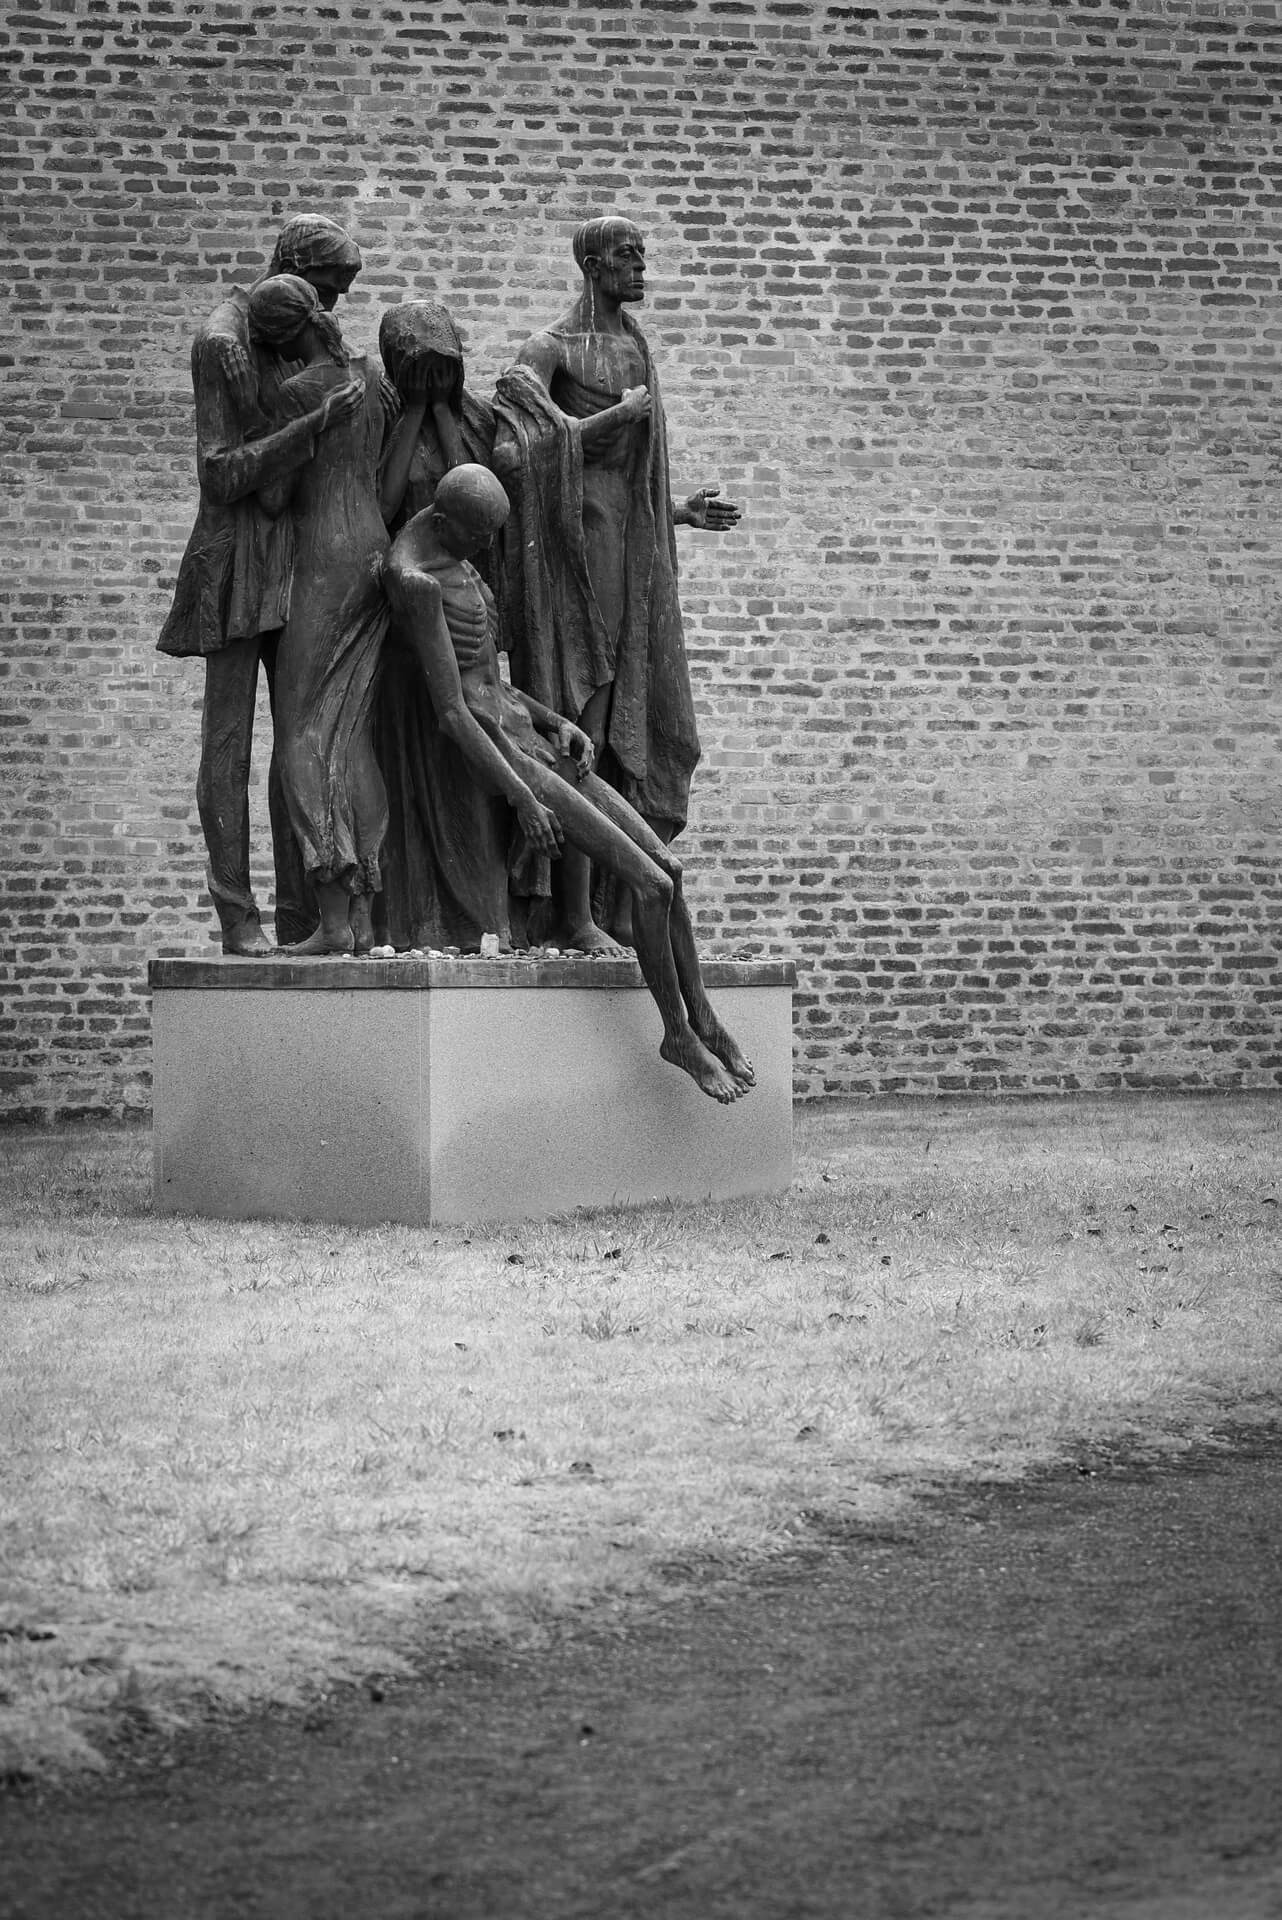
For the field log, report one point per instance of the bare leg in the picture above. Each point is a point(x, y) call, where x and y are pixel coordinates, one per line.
point(222, 791)
point(334, 934)
point(621, 917)
point(360, 917)
point(296, 911)
point(703, 1015)
point(602, 825)
point(581, 930)
point(577, 929)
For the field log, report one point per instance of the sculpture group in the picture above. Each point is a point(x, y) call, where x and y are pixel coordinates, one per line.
point(372, 539)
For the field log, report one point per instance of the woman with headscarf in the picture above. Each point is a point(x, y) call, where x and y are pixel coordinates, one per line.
point(328, 658)
point(442, 425)
point(449, 857)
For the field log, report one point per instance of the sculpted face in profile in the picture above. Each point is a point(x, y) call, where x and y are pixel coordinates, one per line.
point(614, 267)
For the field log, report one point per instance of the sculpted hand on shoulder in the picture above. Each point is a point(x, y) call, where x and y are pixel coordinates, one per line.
point(341, 404)
point(236, 368)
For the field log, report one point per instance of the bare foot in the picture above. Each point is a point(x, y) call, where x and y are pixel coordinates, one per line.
point(688, 1052)
point(334, 940)
point(728, 1052)
point(589, 939)
point(247, 939)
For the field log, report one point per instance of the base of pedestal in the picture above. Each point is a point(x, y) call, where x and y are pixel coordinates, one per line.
point(439, 1091)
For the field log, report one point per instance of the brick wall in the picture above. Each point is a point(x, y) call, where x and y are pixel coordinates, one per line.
point(973, 307)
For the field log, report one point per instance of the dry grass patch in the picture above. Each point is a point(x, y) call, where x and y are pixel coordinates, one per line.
point(242, 1462)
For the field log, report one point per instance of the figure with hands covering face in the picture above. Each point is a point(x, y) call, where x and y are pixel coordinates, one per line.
point(454, 869)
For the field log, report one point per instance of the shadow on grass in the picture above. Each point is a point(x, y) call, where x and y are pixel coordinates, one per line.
point(244, 1460)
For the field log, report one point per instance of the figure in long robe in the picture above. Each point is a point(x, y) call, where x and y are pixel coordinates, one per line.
point(452, 851)
point(331, 646)
point(589, 602)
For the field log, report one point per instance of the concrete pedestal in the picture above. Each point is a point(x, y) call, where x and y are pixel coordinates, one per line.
point(446, 1090)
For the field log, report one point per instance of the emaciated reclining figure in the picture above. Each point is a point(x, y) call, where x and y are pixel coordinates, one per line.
point(541, 763)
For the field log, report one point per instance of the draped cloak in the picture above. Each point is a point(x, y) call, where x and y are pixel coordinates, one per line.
point(452, 850)
point(234, 580)
point(558, 645)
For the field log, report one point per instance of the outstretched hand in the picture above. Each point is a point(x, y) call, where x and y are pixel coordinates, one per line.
point(703, 509)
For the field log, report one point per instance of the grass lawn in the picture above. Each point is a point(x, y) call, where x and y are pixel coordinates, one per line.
point(243, 1463)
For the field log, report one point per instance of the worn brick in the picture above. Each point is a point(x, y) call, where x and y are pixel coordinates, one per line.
point(972, 307)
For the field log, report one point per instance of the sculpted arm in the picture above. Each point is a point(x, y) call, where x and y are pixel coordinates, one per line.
point(230, 467)
point(425, 390)
point(545, 357)
point(224, 338)
point(395, 473)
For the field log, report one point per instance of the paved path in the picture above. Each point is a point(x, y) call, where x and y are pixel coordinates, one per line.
point(1063, 1699)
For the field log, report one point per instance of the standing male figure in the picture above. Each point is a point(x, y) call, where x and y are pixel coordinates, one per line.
point(590, 605)
point(232, 596)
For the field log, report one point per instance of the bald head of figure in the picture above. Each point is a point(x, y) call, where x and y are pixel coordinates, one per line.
point(468, 509)
point(610, 253)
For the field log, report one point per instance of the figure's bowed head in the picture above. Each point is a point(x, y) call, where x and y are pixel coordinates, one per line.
point(288, 313)
point(319, 251)
point(467, 511)
point(421, 349)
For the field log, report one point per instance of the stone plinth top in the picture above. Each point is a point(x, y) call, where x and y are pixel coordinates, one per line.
point(434, 973)
point(356, 1091)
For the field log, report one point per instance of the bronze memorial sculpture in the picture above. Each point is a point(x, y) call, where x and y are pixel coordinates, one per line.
point(377, 541)
point(541, 764)
point(233, 590)
point(590, 605)
point(493, 786)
